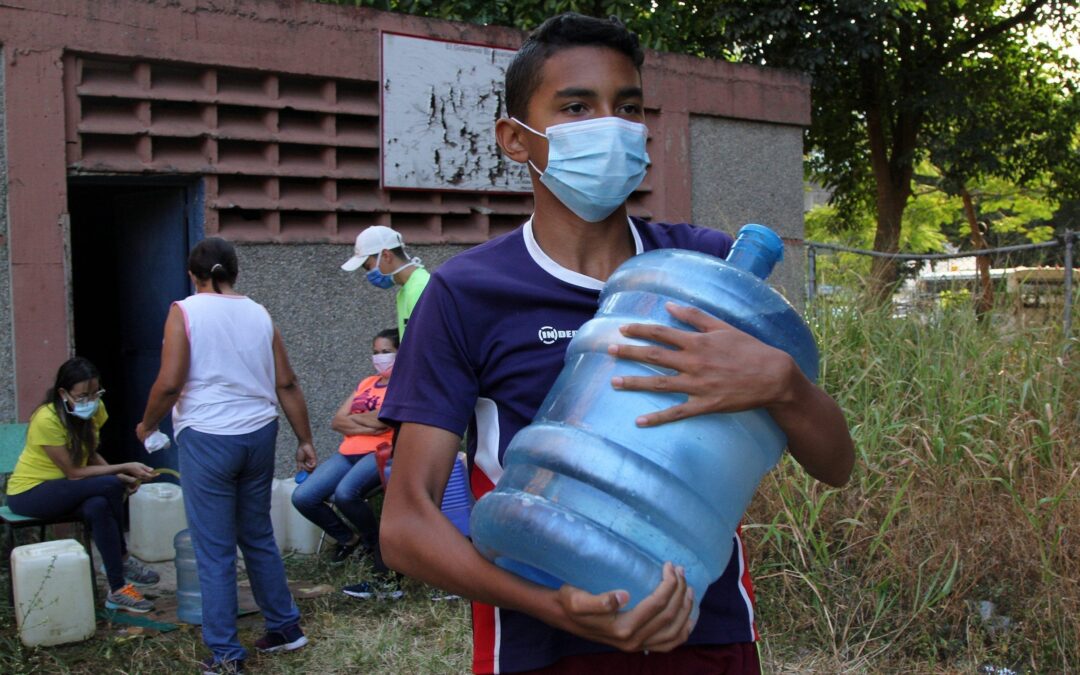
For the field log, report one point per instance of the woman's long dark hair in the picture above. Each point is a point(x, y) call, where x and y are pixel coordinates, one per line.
point(214, 258)
point(81, 437)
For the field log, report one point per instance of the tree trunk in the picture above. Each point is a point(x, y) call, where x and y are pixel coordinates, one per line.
point(984, 297)
point(893, 169)
point(884, 272)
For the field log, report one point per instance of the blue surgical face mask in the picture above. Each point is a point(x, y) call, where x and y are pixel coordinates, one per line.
point(380, 280)
point(593, 165)
point(84, 409)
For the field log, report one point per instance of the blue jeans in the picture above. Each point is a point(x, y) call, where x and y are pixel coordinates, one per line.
point(226, 482)
point(99, 500)
point(348, 479)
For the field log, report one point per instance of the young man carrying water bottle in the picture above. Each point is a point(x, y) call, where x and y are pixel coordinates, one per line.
point(491, 332)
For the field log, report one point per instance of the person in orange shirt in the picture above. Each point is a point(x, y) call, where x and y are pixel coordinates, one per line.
point(345, 479)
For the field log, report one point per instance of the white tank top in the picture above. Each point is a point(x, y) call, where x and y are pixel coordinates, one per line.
point(230, 385)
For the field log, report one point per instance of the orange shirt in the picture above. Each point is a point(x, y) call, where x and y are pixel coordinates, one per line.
point(367, 398)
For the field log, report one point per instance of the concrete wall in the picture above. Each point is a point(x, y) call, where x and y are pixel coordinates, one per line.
point(7, 351)
point(327, 318)
point(749, 172)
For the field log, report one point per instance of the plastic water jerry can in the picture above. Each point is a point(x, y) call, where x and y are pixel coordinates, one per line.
point(280, 503)
point(589, 498)
point(156, 513)
point(54, 599)
point(292, 531)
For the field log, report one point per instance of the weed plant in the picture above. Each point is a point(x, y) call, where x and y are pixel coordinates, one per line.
point(965, 490)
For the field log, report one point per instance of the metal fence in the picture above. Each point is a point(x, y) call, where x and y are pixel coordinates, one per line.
point(1029, 280)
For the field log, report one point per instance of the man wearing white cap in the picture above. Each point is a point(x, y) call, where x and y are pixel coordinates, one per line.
point(381, 251)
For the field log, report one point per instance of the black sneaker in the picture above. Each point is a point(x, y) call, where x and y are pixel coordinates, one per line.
point(379, 591)
point(343, 551)
point(286, 639)
point(211, 666)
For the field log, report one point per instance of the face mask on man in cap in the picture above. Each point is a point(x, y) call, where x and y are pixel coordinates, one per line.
point(380, 280)
point(370, 244)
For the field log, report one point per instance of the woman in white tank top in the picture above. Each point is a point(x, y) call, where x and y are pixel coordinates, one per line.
point(224, 370)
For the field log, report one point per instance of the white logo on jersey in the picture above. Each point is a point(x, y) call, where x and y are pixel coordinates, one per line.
point(549, 335)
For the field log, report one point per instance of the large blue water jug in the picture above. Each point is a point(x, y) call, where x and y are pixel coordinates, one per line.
point(188, 597)
point(589, 498)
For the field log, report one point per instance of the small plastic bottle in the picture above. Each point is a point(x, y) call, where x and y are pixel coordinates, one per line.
point(589, 498)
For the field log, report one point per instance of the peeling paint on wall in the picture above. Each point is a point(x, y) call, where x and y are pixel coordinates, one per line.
point(439, 102)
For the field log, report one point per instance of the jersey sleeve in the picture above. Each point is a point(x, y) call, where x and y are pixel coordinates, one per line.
point(713, 242)
point(434, 381)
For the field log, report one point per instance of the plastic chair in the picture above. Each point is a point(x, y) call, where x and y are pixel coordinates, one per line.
point(12, 440)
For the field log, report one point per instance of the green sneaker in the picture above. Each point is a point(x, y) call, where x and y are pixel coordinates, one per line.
point(129, 599)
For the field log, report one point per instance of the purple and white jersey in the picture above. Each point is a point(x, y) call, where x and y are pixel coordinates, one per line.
point(486, 342)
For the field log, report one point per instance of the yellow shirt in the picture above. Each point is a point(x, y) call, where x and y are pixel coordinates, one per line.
point(45, 429)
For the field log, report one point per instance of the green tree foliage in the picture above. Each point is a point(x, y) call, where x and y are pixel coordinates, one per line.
point(683, 27)
point(898, 80)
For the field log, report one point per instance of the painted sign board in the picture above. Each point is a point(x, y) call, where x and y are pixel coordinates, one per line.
point(440, 101)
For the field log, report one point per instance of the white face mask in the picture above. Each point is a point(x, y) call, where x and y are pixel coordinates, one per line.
point(383, 363)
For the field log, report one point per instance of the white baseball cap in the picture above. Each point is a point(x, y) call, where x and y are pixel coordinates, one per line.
point(372, 241)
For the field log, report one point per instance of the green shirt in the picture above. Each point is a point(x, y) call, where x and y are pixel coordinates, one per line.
point(407, 296)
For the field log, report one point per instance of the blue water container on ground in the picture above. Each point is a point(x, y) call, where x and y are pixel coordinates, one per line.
point(188, 596)
point(457, 501)
point(589, 498)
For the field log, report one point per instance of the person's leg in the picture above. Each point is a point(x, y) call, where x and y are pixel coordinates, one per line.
point(349, 498)
point(209, 466)
point(310, 497)
point(256, 534)
point(107, 537)
point(96, 500)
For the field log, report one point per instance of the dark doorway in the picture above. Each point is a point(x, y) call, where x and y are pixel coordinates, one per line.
point(129, 243)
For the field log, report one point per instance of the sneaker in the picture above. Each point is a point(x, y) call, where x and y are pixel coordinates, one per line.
point(343, 551)
point(135, 573)
point(286, 639)
point(128, 599)
point(366, 591)
point(139, 574)
point(211, 666)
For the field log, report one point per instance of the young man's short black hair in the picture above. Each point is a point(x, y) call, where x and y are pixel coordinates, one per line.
point(557, 33)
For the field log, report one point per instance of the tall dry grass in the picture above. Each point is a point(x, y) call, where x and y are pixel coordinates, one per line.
point(965, 490)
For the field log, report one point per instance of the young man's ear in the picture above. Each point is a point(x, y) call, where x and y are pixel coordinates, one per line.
point(511, 139)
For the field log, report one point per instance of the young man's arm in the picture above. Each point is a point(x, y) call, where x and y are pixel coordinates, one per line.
point(419, 541)
point(726, 370)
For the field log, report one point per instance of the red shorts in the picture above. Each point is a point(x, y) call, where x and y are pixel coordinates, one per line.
point(734, 659)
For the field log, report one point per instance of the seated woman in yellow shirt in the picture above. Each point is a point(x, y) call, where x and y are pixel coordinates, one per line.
point(60, 472)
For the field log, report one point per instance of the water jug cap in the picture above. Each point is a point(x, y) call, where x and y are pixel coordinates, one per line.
point(766, 237)
point(301, 476)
